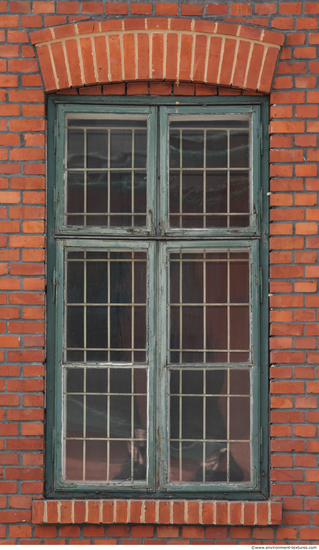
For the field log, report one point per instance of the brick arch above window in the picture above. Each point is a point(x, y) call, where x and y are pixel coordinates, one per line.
point(155, 49)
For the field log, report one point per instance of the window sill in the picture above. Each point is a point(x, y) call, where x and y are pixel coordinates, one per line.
point(168, 512)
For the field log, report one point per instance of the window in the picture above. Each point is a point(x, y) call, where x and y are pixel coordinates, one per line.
point(157, 318)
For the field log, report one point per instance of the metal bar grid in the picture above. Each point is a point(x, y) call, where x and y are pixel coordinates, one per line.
point(85, 304)
point(205, 440)
point(204, 304)
point(108, 170)
point(228, 169)
point(132, 440)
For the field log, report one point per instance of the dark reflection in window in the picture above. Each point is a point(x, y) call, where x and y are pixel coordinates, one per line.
point(205, 421)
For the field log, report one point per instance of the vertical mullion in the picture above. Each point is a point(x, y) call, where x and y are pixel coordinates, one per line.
point(228, 356)
point(132, 425)
point(109, 177)
point(180, 308)
point(132, 370)
point(204, 425)
point(133, 174)
point(204, 180)
point(108, 427)
point(108, 307)
point(180, 179)
point(85, 175)
point(228, 424)
point(228, 305)
point(85, 358)
point(228, 178)
point(133, 308)
point(180, 426)
point(204, 357)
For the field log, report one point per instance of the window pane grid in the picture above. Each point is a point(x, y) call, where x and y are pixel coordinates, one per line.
point(121, 432)
point(117, 324)
point(114, 190)
point(204, 456)
point(216, 330)
point(193, 180)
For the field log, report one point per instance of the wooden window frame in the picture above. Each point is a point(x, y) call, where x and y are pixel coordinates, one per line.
point(254, 238)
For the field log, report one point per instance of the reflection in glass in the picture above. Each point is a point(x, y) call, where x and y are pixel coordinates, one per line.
point(106, 422)
point(209, 173)
point(209, 306)
point(207, 422)
point(106, 172)
point(111, 322)
point(74, 460)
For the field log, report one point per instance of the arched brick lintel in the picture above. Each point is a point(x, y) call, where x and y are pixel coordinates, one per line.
point(182, 50)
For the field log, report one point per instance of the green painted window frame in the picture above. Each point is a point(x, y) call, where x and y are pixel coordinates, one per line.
point(254, 238)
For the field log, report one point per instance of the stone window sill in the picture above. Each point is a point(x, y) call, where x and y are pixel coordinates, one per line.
point(163, 512)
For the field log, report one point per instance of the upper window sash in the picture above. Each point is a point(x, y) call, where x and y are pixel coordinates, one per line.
point(77, 168)
point(202, 119)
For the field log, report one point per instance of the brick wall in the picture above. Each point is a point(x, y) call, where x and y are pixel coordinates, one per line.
point(294, 271)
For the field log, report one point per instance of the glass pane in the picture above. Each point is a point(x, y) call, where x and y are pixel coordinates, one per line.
point(74, 416)
point(192, 381)
point(192, 192)
point(140, 192)
point(96, 380)
point(239, 149)
point(239, 192)
point(240, 382)
point(140, 282)
point(110, 183)
point(74, 460)
point(96, 461)
point(120, 416)
point(192, 149)
point(216, 149)
point(121, 380)
point(97, 148)
point(174, 149)
point(140, 148)
point(209, 325)
point(121, 327)
point(97, 200)
point(96, 327)
point(96, 282)
point(121, 282)
point(239, 282)
point(192, 325)
point(112, 426)
point(120, 461)
point(111, 325)
point(239, 418)
point(192, 282)
point(216, 328)
point(209, 173)
point(208, 426)
point(75, 380)
point(239, 462)
point(96, 416)
point(121, 193)
point(75, 196)
point(216, 418)
point(121, 148)
point(75, 325)
point(75, 282)
point(239, 328)
point(75, 155)
point(216, 192)
point(216, 282)
point(215, 467)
